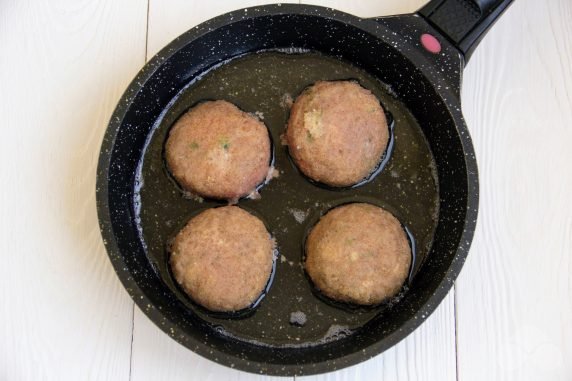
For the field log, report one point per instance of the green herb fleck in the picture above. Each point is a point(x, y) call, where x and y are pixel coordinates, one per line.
point(194, 146)
point(309, 136)
point(224, 143)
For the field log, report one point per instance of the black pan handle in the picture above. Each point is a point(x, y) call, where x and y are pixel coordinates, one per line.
point(464, 22)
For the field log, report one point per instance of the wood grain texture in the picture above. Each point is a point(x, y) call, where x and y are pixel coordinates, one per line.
point(63, 312)
point(514, 296)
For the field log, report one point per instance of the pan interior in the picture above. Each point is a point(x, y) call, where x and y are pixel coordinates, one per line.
point(262, 83)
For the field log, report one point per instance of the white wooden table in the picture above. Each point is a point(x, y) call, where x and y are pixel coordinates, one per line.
point(64, 314)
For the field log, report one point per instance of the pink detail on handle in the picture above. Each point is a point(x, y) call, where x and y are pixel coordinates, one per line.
point(430, 43)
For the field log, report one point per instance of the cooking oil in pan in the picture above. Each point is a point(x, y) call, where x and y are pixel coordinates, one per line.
point(263, 83)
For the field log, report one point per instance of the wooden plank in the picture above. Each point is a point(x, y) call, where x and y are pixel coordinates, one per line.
point(63, 312)
point(514, 296)
point(155, 355)
point(428, 354)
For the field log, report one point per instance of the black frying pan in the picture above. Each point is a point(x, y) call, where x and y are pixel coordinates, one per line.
point(256, 58)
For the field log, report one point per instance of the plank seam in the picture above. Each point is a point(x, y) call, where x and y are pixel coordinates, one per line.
point(456, 330)
point(132, 332)
point(147, 32)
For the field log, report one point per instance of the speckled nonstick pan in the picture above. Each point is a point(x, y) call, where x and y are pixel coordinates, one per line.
point(257, 58)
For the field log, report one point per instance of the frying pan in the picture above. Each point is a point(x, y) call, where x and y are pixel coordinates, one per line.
point(413, 63)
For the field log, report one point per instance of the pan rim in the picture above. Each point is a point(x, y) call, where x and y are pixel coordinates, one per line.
point(139, 297)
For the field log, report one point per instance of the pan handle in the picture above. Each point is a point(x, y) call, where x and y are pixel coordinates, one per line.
point(464, 22)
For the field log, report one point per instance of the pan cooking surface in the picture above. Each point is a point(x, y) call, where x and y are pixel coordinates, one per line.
point(291, 314)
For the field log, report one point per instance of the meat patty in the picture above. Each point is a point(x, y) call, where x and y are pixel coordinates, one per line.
point(358, 253)
point(337, 132)
point(223, 258)
point(216, 150)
